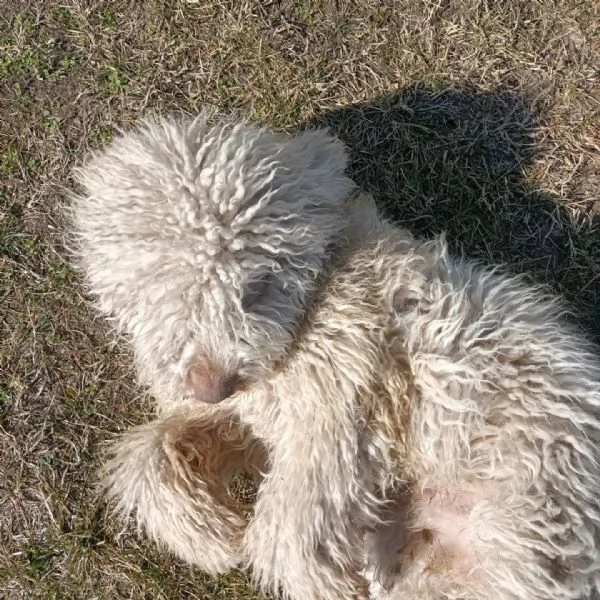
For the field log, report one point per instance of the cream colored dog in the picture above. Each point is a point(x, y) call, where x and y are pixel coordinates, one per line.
point(420, 427)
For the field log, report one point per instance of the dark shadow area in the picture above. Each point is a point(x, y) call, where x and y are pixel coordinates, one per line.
point(453, 161)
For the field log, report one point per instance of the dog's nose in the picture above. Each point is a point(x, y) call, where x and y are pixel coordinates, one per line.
point(210, 384)
point(222, 389)
point(218, 390)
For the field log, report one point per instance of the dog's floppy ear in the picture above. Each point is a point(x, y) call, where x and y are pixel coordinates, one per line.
point(323, 156)
point(320, 160)
point(292, 234)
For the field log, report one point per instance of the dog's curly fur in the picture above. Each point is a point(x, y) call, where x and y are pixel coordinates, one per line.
point(420, 427)
point(204, 242)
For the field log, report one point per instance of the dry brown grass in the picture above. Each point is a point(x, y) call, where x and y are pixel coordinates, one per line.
point(480, 117)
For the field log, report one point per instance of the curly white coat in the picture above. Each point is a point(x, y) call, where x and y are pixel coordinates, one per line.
point(422, 427)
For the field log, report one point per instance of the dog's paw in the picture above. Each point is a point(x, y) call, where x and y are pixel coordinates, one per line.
point(167, 473)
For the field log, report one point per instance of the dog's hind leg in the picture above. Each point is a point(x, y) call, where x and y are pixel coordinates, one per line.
point(173, 473)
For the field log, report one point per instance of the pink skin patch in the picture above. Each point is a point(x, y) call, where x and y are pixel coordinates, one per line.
point(442, 521)
point(209, 383)
point(438, 537)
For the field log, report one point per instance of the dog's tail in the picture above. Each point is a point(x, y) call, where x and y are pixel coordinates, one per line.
point(173, 474)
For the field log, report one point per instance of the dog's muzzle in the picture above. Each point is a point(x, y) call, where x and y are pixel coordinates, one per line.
point(210, 383)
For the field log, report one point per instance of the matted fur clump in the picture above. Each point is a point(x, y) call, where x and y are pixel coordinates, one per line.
point(420, 428)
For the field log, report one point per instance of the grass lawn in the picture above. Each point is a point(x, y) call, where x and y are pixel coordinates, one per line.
point(477, 117)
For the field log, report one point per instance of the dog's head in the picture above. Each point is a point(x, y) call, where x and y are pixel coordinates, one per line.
point(204, 242)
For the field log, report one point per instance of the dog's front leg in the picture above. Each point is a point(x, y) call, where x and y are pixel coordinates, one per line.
point(304, 540)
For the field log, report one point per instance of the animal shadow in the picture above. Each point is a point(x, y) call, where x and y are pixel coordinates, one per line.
point(454, 160)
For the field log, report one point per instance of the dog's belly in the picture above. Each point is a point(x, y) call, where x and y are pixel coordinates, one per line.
point(429, 548)
point(440, 535)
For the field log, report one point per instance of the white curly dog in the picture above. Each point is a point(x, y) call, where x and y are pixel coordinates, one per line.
point(421, 428)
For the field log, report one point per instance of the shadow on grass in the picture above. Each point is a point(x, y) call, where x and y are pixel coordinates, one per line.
point(454, 161)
